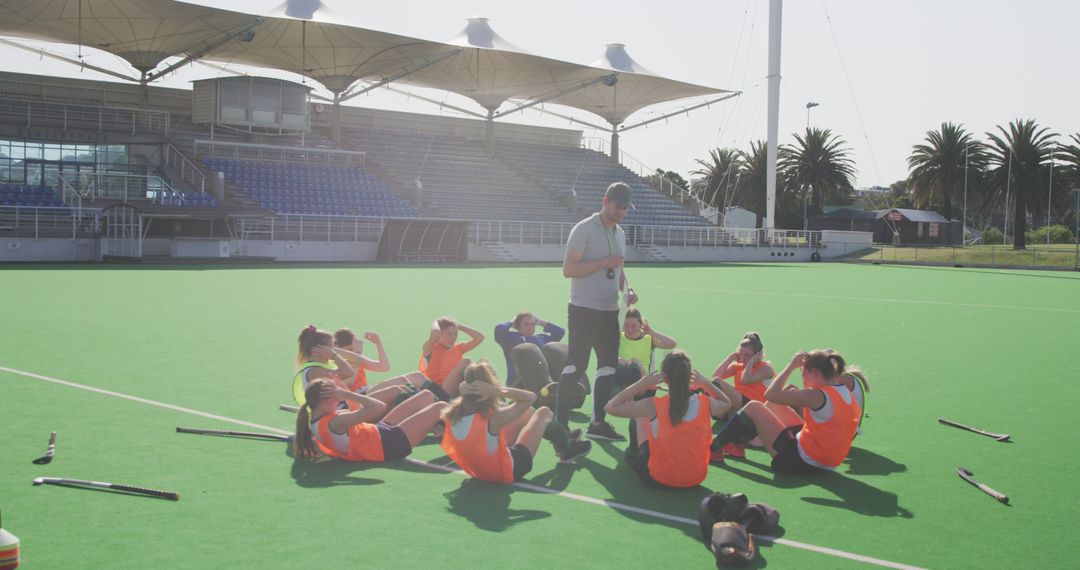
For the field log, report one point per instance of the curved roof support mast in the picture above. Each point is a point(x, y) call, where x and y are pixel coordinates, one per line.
point(776, 11)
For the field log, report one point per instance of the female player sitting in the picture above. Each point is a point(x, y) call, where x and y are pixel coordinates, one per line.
point(818, 440)
point(442, 358)
point(356, 435)
point(749, 356)
point(478, 428)
point(318, 358)
point(674, 430)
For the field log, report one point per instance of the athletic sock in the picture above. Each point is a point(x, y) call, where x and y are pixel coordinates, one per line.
point(437, 390)
point(739, 429)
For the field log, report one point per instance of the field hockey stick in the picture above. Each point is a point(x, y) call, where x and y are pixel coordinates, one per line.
point(247, 434)
point(970, 478)
point(112, 486)
point(288, 408)
point(997, 436)
point(49, 452)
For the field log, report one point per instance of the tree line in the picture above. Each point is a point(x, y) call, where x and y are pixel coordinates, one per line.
point(1021, 170)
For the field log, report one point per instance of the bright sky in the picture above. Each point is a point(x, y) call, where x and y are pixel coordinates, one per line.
point(909, 65)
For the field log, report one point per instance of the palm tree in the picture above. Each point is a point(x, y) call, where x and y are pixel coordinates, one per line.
point(1019, 161)
point(938, 167)
point(819, 162)
point(753, 180)
point(721, 172)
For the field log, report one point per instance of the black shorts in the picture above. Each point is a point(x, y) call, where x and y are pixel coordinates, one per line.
point(639, 462)
point(523, 461)
point(395, 444)
point(787, 458)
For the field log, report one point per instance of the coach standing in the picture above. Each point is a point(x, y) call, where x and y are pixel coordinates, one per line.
point(594, 264)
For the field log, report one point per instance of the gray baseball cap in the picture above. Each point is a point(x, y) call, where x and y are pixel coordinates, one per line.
point(620, 193)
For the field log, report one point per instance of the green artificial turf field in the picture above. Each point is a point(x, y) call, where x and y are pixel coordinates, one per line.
point(995, 349)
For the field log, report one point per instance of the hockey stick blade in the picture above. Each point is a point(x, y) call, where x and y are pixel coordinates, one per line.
point(49, 452)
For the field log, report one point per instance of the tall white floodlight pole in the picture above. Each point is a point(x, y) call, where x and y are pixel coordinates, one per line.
point(963, 225)
point(1008, 190)
point(1050, 193)
point(776, 12)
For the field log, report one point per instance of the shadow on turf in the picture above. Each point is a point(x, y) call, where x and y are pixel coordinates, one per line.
point(330, 473)
point(487, 505)
point(865, 462)
point(852, 494)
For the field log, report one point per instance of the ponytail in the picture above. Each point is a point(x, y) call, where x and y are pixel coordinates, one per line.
point(831, 365)
point(304, 440)
point(676, 369)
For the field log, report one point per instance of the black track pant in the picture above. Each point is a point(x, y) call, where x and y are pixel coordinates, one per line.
point(588, 330)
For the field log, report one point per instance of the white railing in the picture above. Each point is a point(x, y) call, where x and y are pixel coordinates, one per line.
point(49, 221)
point(305, 227)
point(555, 233)
point(67, 116)
point(189, 172)
point(250, 151)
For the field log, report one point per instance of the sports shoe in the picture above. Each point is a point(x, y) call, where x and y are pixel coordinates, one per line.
point(716, 457)
point(576, 450)
point(603, 431)
point(735, 450)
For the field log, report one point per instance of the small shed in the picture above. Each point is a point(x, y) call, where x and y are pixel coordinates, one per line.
point(903, 226)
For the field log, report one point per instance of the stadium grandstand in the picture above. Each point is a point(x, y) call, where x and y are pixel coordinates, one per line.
point(242, 167)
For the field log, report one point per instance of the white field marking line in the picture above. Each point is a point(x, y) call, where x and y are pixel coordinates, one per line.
point(573, 496)
point(833, 297)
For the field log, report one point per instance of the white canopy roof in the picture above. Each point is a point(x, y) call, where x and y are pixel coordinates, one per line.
point(143, 32)
point(478, 63)
point(635, 88)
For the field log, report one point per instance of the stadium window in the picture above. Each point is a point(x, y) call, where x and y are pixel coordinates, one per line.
point(934, 230)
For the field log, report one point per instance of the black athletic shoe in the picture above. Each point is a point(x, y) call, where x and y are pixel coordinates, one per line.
point(602, 431)
point(576, 450)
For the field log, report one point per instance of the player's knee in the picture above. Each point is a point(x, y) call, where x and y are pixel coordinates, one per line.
point(543, 413)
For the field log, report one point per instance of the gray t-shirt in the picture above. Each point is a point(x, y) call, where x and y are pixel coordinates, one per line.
point(590, 237)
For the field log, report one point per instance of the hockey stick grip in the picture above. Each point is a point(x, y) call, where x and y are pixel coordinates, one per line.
point(146, 491)
point(990, 491)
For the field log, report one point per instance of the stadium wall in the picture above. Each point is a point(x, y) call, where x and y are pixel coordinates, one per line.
point(49, 249)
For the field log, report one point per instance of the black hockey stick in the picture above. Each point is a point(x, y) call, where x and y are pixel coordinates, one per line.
point(111, 486)
point(246, 434)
